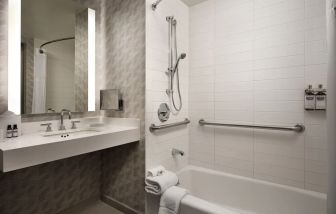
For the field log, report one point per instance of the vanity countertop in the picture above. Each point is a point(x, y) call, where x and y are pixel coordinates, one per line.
point(36, 146)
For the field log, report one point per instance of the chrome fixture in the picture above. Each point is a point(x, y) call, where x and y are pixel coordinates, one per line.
point(48, 125)
point(155, 4)
point(53, 41)
point(73, 126)
point(174, 61)
point(163, 112)
point(176, 152)
point(297, 128)
point(154, 127)
point(62, 127)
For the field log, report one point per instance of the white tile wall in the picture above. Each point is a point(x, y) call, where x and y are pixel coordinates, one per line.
point(250, 61)
point(159, 145)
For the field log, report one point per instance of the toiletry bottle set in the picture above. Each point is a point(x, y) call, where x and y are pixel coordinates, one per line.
point(12, 131)
point(315, 99)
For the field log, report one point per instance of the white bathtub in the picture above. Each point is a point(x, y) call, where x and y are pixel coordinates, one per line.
point(217, 192)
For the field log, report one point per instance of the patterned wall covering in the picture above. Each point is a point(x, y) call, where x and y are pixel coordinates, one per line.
point(124, 167)
point(3, 55)
point(81, 61)
point(116, 173)
point(28, 74)
point(51, 187)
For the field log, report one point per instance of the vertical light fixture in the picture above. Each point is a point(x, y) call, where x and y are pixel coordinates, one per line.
point(14, 56)
point(91, 60)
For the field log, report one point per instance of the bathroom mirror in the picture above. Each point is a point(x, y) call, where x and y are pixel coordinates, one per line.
point(57, 56)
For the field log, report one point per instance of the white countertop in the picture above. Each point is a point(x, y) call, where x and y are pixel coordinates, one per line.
point(33, 147)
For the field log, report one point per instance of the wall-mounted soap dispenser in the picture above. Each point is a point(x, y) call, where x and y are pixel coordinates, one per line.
point(309, 100)
point(321, 98)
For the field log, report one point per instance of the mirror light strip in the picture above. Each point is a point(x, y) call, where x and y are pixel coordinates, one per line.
point(91, 60)
point(14, 56)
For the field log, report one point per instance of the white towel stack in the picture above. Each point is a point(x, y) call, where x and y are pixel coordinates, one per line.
point(159, 184)
point(159, 170)
point(171, 199)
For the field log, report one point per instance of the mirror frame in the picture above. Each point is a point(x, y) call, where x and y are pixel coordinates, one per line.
point(14, 58)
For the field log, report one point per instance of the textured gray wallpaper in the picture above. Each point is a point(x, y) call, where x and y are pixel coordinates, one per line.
point(28, 74)
point(3, 55)
point(124, 167)
point(52, 187)
point(117, 173)
point(81, 61)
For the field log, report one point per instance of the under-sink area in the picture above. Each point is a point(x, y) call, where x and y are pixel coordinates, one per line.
point(36, 146)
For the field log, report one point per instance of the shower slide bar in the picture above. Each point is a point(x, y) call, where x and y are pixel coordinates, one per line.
point(297, 128)
point(154, 127)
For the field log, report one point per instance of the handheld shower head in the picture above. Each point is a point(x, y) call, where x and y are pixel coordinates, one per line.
point(182, 56)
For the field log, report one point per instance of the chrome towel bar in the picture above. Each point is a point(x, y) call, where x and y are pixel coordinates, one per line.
point(154, 127)
point(297, 128)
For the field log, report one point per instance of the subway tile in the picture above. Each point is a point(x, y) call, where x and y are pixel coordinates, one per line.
point(316, 178)
point(278, 95)
point(279, 180)
point(280, 84)
point(255, 73)
point(242, 116)
point(316, 154)
point(279, 160)
point(316, 167)
point(280, 172)
point(277, 143)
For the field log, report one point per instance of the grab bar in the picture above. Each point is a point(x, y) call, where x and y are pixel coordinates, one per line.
point(297, 128)
point(154, 127)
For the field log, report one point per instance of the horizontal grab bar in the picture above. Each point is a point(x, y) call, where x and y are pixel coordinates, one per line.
point(154, 127)
point(297, 128)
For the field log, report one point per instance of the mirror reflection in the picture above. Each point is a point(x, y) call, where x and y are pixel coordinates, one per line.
point(54, 54)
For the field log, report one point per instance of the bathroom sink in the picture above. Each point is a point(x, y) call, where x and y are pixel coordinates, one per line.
point(70, 133)
point(36, 146)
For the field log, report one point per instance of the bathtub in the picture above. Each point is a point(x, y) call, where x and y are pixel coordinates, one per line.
point(216, 192)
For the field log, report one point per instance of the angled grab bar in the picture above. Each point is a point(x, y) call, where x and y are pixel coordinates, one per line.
point(297, 128)
point(154, 127)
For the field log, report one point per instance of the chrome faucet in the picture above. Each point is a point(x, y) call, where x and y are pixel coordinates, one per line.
point(62, 127)
point(176, 152)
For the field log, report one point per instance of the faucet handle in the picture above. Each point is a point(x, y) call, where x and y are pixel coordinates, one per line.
point(74, 124)
point(48, 125)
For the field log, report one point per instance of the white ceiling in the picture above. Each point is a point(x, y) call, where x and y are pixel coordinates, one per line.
point(192, 2)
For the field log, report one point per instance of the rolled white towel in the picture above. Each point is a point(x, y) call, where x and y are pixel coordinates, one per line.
point(171, 199)
point(157, 185)
point(156, 171)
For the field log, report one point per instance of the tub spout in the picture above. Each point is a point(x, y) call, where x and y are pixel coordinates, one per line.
point(176, 152)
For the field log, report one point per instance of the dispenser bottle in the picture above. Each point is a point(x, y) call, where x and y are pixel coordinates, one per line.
point(310, 98)
point(321, 98)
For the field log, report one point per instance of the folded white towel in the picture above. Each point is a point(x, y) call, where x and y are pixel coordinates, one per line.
point(156, 171)
point(157, 185)
point(171, 199)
